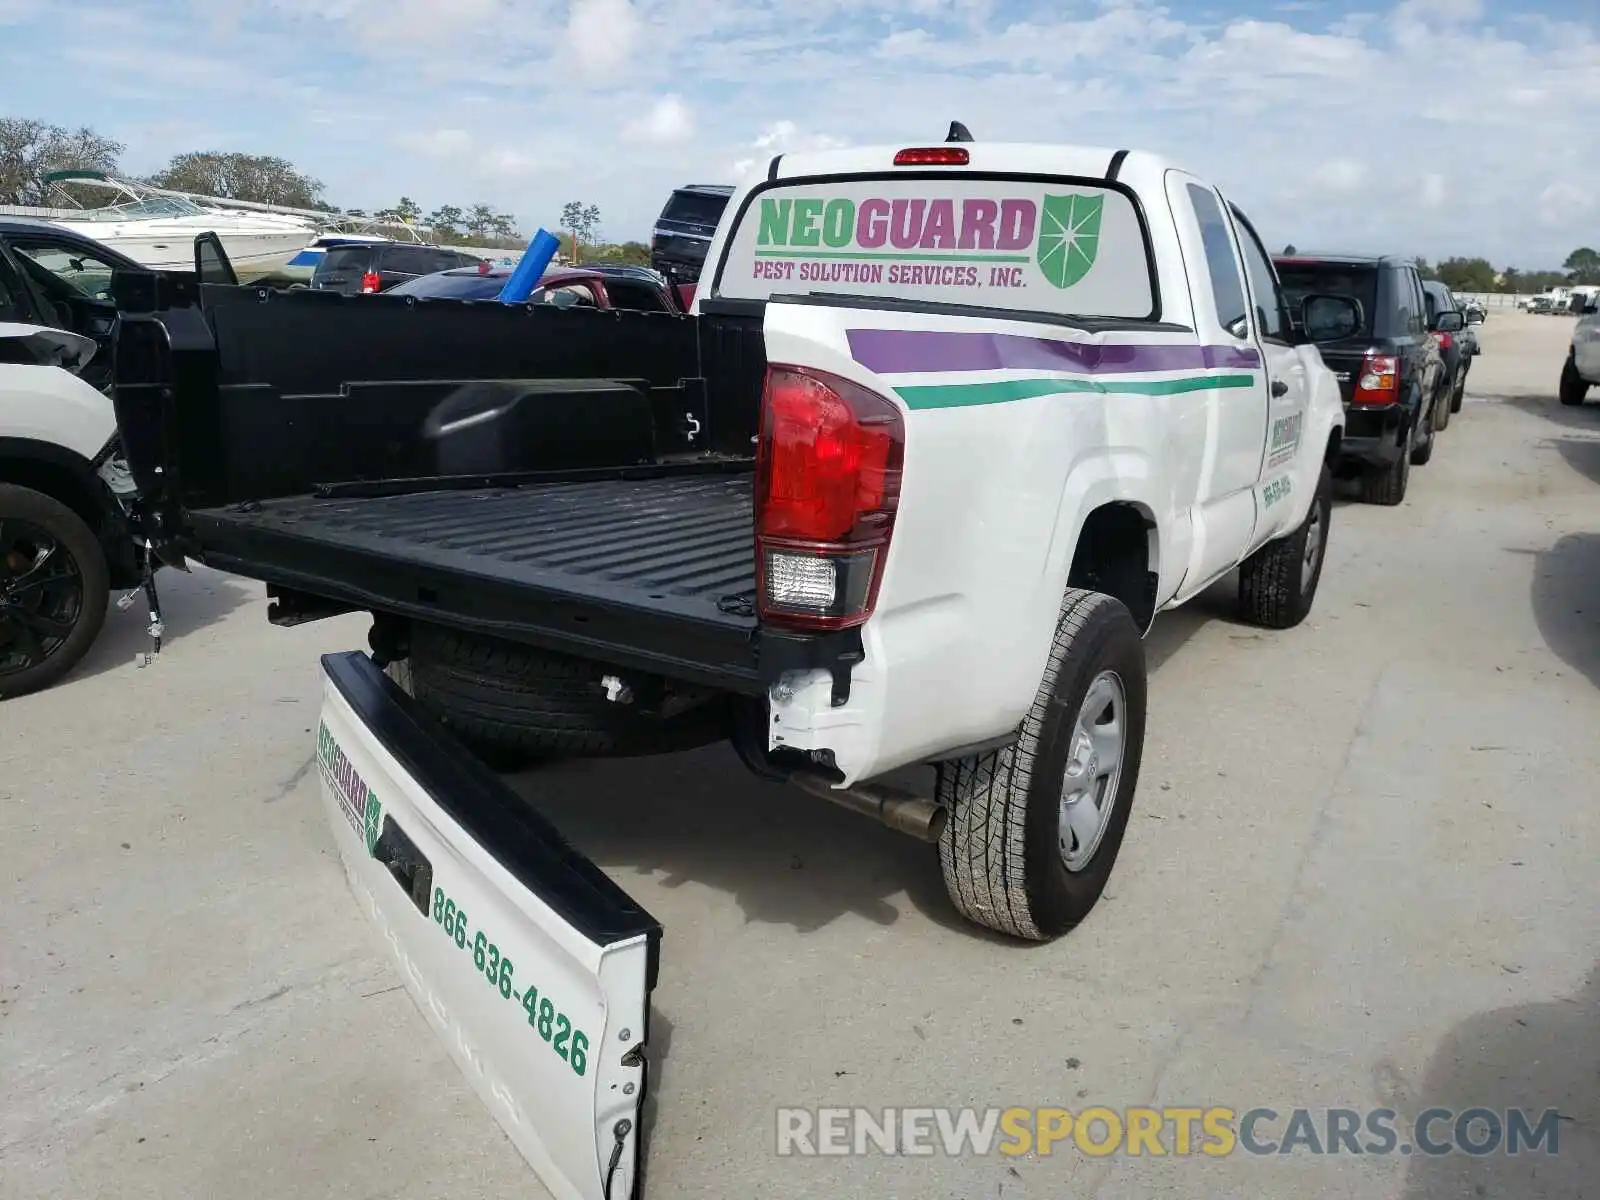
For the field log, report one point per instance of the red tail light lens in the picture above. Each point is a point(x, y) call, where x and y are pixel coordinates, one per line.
point(1378, 383)
point(933, 156)
point(1444, 340)
point(827, 486)
point(371, 281)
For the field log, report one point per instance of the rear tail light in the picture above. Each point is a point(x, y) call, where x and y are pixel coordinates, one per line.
point(827, 486)
point(1378, 382)
point(933, 156)
point(371, 281)
point(1443, 339)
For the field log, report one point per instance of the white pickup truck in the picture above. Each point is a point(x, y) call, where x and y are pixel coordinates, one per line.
point(948, 426)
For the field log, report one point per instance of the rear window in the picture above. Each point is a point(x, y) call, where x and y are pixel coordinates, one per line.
point(1065, 247)
point(344, 260)
point(694, 208)
point(1300, 280)
point(453, 287)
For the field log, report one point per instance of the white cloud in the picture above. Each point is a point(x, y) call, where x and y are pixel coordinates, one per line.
point(437, 143)
point(602, 33)
point(1339, 175)
point(667, 122)
point(1433, 192)
point(1322, 123)
point(1565, 204)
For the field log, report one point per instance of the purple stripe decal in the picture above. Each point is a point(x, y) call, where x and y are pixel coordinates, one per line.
point(897, 351)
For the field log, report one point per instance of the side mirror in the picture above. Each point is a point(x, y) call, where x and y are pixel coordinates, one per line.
point(1330, 318)
point(1449, 322)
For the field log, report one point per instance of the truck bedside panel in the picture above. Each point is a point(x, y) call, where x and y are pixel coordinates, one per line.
point(530, 964)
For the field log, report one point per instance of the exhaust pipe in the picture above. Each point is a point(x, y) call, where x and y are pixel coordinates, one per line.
point(900, 810)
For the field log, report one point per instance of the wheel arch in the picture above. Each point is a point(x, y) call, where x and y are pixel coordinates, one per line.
point(65, 475)
point(1118, 552)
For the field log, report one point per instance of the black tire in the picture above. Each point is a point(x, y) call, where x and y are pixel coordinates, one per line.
point(515, 705)
point(1460, 393)
point(1422, 452)
point(1278, 583)
point(1573, 388)
point(1441, 406)
point(22, 507)
point(1387, 485)
point(1001, 851)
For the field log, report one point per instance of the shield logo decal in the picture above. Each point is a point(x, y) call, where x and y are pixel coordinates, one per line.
point(1069, 237)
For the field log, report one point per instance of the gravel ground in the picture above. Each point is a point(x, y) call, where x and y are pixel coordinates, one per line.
point(1361, 872)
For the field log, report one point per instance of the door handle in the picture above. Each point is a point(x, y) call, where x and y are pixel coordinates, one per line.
point(1279, 388)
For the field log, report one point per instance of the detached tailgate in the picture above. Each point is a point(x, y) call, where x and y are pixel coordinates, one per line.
point(531, 965)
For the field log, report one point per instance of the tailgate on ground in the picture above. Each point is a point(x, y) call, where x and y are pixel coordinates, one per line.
point(531, 965)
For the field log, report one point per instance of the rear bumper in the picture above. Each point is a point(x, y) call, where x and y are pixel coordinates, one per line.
point(1372, 435)
point(530, 964)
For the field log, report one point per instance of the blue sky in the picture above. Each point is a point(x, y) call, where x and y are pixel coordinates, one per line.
point(1430, 126)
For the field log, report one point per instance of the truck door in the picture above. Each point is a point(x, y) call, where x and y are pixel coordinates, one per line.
point(1225, 507)
point(1287, 381)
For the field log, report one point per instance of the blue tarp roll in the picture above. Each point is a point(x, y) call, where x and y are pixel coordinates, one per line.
point(530, 268)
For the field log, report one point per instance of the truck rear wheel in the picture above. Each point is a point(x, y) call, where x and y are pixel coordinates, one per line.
point(514, 704)
point(1279, 581)
point(54, 589)
point(1035, 828)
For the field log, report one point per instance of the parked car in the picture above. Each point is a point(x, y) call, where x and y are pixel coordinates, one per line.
point(65, 491)
point(685, 228)
point(564, 287)
point(1477, 312)
point(1456, 349)
point(789, 520)
point(366, 267)
point(1581, 371)
point(67, 280)
point(1389, 369)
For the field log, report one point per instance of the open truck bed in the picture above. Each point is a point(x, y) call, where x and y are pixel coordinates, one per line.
point(655, 572)
point(579, 481)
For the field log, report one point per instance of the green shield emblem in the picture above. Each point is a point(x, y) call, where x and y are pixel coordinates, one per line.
point(1069, 236)
point(374, 820)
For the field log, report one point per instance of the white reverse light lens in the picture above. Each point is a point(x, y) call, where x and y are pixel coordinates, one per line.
point(801, 581)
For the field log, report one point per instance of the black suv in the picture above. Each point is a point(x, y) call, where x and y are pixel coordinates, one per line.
point(357, 267)
point(1456, 347)
point(685, 228)
point(1390, 371)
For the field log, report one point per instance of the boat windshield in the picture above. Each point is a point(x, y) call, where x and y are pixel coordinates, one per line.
point(144, 210)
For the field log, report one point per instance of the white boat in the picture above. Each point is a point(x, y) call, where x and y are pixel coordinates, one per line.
point(157, 228)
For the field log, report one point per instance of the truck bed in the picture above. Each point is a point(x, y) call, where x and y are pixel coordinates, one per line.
point(656, 573)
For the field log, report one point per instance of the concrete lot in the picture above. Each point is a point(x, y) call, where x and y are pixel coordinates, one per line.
point(1363, 870)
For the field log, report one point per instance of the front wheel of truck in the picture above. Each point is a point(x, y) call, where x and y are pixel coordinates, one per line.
point(1035, 828)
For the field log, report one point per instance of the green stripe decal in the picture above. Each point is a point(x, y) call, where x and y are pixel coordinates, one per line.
point(964, 395)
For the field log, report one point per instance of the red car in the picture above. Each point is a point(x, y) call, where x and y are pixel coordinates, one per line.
point(598, 287)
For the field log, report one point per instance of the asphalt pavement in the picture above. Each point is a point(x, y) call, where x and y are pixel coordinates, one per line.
point(1363, 871)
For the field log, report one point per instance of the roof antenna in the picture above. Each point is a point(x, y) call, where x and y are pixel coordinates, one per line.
point(958, 133)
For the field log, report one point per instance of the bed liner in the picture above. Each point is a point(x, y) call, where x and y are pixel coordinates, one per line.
point(655, 573)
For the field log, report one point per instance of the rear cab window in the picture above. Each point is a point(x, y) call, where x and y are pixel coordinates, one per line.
point(344, 260)
point(1301, 279)
point(1066, 248)
point(694, 208)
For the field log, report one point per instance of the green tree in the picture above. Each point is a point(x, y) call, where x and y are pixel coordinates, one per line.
point(1466, 274)
point(31, 149)
point(259, 178)
point(632, 254)
point(1583, 265)
point(1425, 270)
point(407, 212)
point(446, 222)
point(582, 221)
